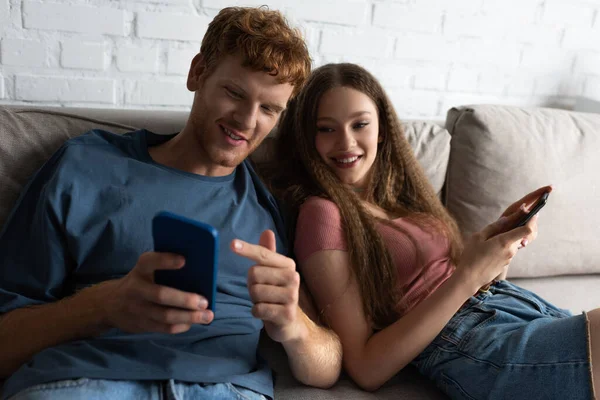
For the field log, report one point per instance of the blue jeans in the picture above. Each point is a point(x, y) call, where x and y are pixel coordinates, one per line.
point(102, 389)
point(508, 343)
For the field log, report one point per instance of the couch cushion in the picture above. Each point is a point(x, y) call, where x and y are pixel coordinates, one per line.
point(28, 137)
point(406, 385)
point(575, 293)
point(500, 153)
point(431, 143)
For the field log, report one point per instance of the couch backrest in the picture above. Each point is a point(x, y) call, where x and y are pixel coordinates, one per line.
point(499, 154)
point(28, 136)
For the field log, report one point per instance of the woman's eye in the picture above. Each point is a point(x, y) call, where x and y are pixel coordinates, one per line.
point(324, 129)
point(360, 125)
point(267, 109)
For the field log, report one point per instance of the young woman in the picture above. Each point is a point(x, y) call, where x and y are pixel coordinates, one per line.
point(387, 268)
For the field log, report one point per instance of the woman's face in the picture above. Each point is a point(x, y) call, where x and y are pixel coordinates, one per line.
point(348, 134)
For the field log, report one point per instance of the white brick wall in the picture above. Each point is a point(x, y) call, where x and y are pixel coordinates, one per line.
point(429, 54)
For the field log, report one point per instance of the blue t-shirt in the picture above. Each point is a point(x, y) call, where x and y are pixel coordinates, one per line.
point(86, 216)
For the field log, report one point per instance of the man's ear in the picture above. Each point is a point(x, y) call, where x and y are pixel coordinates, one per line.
point(196, 74)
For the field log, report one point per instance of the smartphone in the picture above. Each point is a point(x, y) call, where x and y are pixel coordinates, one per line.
point(198, 243)
point(541, 202)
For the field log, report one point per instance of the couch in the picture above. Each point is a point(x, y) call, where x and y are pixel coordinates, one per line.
point(482, 159)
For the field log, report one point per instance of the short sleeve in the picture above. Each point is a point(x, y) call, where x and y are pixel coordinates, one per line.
point(33, 249)
point(319, 227)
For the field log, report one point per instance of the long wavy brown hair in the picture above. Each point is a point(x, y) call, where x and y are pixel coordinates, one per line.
point(398, 185)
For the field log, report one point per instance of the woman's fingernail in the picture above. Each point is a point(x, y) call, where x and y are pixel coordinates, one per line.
point(237, 245)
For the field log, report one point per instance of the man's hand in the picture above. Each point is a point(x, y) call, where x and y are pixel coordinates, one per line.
point(136, 304)
point(274, 285)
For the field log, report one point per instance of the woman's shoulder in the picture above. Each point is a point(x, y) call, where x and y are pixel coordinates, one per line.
point(319, 206)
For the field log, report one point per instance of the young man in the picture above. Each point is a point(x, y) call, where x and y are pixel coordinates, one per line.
point(80, 314)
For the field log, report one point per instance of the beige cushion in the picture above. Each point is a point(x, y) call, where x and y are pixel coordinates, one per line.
point(575, 293)
point(431, 143)
point(28, 137)
point(500, 153)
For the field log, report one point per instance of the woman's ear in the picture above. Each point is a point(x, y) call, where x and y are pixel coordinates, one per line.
point(196, 73)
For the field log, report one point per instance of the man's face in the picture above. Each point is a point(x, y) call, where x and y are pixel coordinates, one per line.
point(234, 109)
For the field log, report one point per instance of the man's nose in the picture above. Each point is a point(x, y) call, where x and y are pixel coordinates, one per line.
point(246, 116)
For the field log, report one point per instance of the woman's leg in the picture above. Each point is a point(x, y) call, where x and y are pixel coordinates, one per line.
point(594, 324)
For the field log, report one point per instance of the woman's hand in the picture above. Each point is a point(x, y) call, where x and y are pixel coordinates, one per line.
point(524, 205)
point(488, 253)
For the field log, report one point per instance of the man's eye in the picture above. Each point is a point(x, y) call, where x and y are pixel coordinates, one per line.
point(233, 94)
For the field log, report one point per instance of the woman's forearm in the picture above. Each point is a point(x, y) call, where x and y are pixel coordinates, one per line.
point(391, 349)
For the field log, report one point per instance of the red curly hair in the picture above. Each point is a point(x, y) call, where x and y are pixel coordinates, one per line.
point(263, 38)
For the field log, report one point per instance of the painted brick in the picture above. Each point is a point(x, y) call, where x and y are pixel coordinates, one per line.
point(21, 52)
point(4, 14)
point(529, 8)
point(344, 12)
point(592, 88)
point(425, 47)
point(548, 59)
point(459, 25)
point(62, 89)
point(492, 82)
point(137, 59)
point(80, 55)
point(356, 43)
point(488, 52)
point(562, 12)
point(588, 63)
point(548, 84)
point(171, 26)
point(581, 38)
point(179, 60)
point(273, 4)
point(463, 80)
point(392, 75)
point(411, 103)
point(403, 17)
point(431, 77)
point(153, 93)
point(521, 84)
point(73, 18)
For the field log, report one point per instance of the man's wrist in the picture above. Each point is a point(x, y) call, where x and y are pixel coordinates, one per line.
point(302, 330)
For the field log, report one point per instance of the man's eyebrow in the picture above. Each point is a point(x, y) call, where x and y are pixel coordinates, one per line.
point(276, 107)
point(237, 86)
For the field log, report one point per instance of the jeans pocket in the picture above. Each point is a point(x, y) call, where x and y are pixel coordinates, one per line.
point(523, 297)
point(466, 323)
point(453, 389)
point(56, 385)
point(243, 393)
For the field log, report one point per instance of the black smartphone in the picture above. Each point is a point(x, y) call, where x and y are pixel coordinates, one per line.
point(541, 202)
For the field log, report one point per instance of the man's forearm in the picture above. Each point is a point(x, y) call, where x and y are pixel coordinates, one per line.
point(316, 358)
point(27, 331)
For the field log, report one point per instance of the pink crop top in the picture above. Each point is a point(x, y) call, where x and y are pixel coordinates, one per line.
point(320, 228)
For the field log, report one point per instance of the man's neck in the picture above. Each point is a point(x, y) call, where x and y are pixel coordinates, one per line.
point(184, 153)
